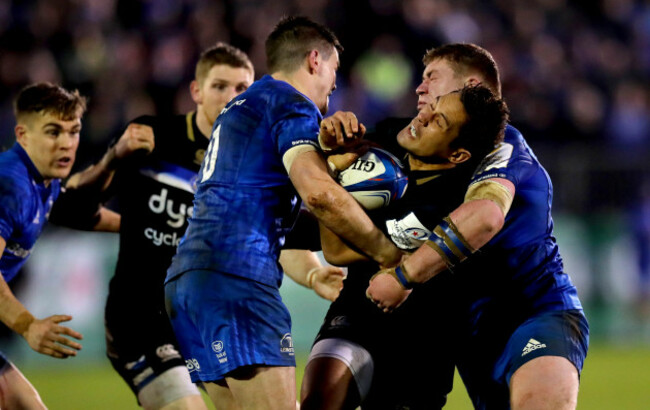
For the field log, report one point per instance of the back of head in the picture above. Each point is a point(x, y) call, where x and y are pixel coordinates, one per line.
point(51, 99)
point(487, 119)
point(291, 41)
point(221, 54)
point(467, 58)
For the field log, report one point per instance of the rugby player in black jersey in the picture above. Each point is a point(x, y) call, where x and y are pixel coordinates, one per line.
point(361, 355)
point(154, 195)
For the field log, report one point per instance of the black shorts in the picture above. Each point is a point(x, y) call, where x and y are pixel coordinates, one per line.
point(412, 341)
point(140, 342)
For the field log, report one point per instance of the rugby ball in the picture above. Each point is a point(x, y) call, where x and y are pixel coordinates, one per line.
point(375, 179)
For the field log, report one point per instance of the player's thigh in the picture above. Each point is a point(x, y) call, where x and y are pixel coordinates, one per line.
point(220, 395)
point(16, 392)
point(329, 382)
point(548, 349)
point(546, 382)
point(264, 387)
point(171, 390)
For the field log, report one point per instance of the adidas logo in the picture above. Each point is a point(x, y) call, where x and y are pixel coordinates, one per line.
point(532, 345)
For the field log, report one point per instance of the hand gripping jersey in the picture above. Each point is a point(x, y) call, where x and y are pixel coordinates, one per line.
point(520, 270)
point(154, 195)
point(245, 202)
point(25, 204)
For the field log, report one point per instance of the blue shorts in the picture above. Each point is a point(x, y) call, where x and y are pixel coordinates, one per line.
point(563, 333)
point(224, 322)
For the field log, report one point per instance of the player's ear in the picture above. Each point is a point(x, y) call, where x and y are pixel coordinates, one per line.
point(459, 156)
point(195, 91)
point(313, 61)
point(472, 81)
point(20, 130)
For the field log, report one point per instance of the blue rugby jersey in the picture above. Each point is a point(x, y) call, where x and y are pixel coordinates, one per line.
point(245, 202)
point(25, 204)
point(520, 269)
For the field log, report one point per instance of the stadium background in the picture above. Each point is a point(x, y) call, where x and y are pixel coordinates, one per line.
point(575, 74)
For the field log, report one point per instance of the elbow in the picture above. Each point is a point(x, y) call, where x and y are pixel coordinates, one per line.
point(335, 259)
point(321, 201)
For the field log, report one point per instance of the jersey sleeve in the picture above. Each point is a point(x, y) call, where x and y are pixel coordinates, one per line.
point(508, 161)
point(299, 126)
point(77, 208)
point(9, 207)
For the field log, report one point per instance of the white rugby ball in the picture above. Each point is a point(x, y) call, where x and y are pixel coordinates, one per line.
point(375, 179)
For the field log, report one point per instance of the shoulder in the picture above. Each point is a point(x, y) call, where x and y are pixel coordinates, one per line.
point(512, 159)
point(284, 100)
point(14, 175)
point(15, 191)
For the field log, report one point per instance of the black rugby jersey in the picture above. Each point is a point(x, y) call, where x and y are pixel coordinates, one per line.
point(154, 194)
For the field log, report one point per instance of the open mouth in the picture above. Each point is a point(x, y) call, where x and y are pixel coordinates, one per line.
point(413, 131)
point(64, 161)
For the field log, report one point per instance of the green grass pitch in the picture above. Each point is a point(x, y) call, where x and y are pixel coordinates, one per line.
point(613, 378)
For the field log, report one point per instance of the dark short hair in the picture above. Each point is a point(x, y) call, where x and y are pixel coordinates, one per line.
point(467, 58)
point(486, 123)
point(49, 98)
point(221, 53)
point(293, 38)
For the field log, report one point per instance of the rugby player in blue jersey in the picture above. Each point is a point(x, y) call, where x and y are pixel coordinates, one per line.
point(522, 336)
point(48, 123)
point(222, 289)
point(359, 349)
point(154, 194)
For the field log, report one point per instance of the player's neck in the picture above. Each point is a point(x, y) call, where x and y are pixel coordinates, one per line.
point(298, 79)
point(418, 164)
point(203, 122)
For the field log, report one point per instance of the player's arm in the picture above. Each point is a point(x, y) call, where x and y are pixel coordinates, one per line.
point(79, 205)
point(337, 209)
point(45, 336)
point(108, 221)
point(81, 209)
point(342, 129)
point(137, 138)
point(304, 267)
point(473, 224)
point(336, 251)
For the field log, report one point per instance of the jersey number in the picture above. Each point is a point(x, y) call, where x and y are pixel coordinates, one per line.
point(211, 155)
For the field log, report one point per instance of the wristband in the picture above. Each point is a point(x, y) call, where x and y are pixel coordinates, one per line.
point(310, 277)
point(399, 272)
point(449, 243)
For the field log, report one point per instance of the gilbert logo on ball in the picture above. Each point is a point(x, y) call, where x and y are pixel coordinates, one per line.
point(375, 179)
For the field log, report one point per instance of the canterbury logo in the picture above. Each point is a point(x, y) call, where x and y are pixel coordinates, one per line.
point(532, 345)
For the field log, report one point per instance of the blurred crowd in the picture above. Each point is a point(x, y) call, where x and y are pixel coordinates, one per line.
point(573, 71)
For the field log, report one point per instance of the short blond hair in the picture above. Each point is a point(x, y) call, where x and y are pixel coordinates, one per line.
point(218, 54)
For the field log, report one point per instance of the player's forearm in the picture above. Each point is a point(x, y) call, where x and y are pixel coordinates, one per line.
point(109, 221)
point(338, 211)
point(477, 223)
point(297, 263)
point(335, 251)
point(12, 313)
point(97, 176)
